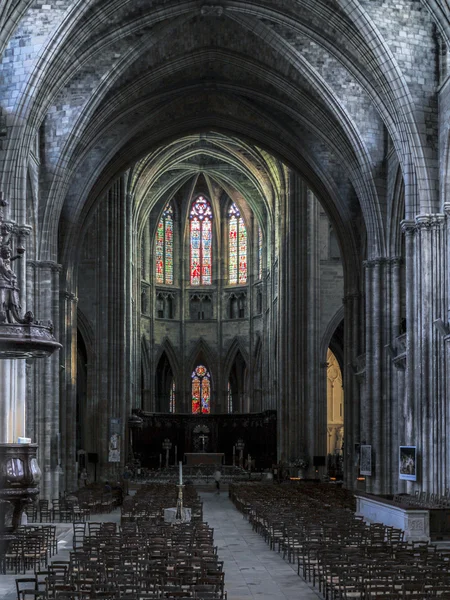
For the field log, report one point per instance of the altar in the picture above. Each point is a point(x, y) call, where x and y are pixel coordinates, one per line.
point(203, 458)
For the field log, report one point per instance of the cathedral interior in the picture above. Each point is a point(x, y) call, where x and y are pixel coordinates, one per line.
point(228, 208)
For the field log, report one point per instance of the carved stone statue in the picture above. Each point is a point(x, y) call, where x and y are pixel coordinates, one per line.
point(9, 293)
point(20, 335)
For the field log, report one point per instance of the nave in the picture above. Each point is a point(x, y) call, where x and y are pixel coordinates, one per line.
point(251, 569)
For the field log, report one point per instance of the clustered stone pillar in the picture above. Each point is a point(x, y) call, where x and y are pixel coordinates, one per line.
point(113, 377)
point(68, 376)
point(354, 385)
point(427, 329)
point(43, 401)
point(377, 428)
point(301, 412)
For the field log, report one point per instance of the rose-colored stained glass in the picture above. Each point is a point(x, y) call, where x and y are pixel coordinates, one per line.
point(242, 252)
point(195, 252)
point(233, 250)
point(237, 246)
point(164, 247)
point(259, 252)
point(205, 396)
point(169, 249)
point(201, 390)
point(206, 252)
point(159, 253)
point(196, 395)
point(201, 242)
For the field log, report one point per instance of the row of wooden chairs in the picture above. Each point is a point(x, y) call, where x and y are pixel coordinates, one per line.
point(31, 548)
point(136, 559)
point(424, 499)
point(315, 526)
point(65, 510)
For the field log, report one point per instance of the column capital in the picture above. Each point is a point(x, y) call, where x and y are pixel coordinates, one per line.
point(211, 10)
point(408, 226)
point(50, 265)
point(375, 262)
point(24, 230)
point(424, 221)
point(430, 220)
point(69, 296)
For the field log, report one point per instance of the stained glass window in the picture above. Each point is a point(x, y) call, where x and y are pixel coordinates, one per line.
point(172, 397)
point(201, 390)
point(201, 242)
point(237, 246)
point(259, 252)
point(164, 247)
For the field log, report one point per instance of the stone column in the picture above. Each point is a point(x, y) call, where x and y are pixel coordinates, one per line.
point(292, 335)
point(407, 433)
point(44, 403)
point(68, 362)
point(431, 293)
point(12, 400)
point(316, 434)
point(382, 402)
point(354, 384)
point(112, 317)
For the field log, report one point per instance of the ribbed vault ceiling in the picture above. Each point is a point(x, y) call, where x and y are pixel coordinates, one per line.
point(228, 163)
point(174, 88)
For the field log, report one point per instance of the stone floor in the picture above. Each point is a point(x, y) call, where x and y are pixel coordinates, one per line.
point(251, 569)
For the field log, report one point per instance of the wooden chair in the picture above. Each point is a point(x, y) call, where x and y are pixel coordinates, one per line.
point(24, 584)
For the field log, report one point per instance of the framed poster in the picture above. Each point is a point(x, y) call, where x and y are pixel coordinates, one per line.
point(365, 459)
point(407, 467)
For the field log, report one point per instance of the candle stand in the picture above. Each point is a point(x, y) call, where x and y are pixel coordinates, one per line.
point(180, 513)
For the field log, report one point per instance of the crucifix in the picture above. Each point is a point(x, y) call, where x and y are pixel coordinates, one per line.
point(203, 438)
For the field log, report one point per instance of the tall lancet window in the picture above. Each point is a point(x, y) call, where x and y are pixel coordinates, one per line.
point(237, 246)
point(260, 262)
point(230, 398)
point(201, 390)
point(164, 247)
point(201, 242)
point(172, 397)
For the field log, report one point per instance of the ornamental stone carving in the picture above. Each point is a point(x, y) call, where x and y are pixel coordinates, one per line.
point(211, 10)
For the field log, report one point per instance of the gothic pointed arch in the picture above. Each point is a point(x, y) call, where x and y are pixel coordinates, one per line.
point(234, 348)
point(164, 246)
point(146, 379)
point(257, 375)
point(202, 351)
point(168, 349)
point(333, 338)
point(86, 330)
point(236, 373)
point(201, 379)
point(201, 242)
point(396, 237)
point(237, 246)
point(165, 386)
